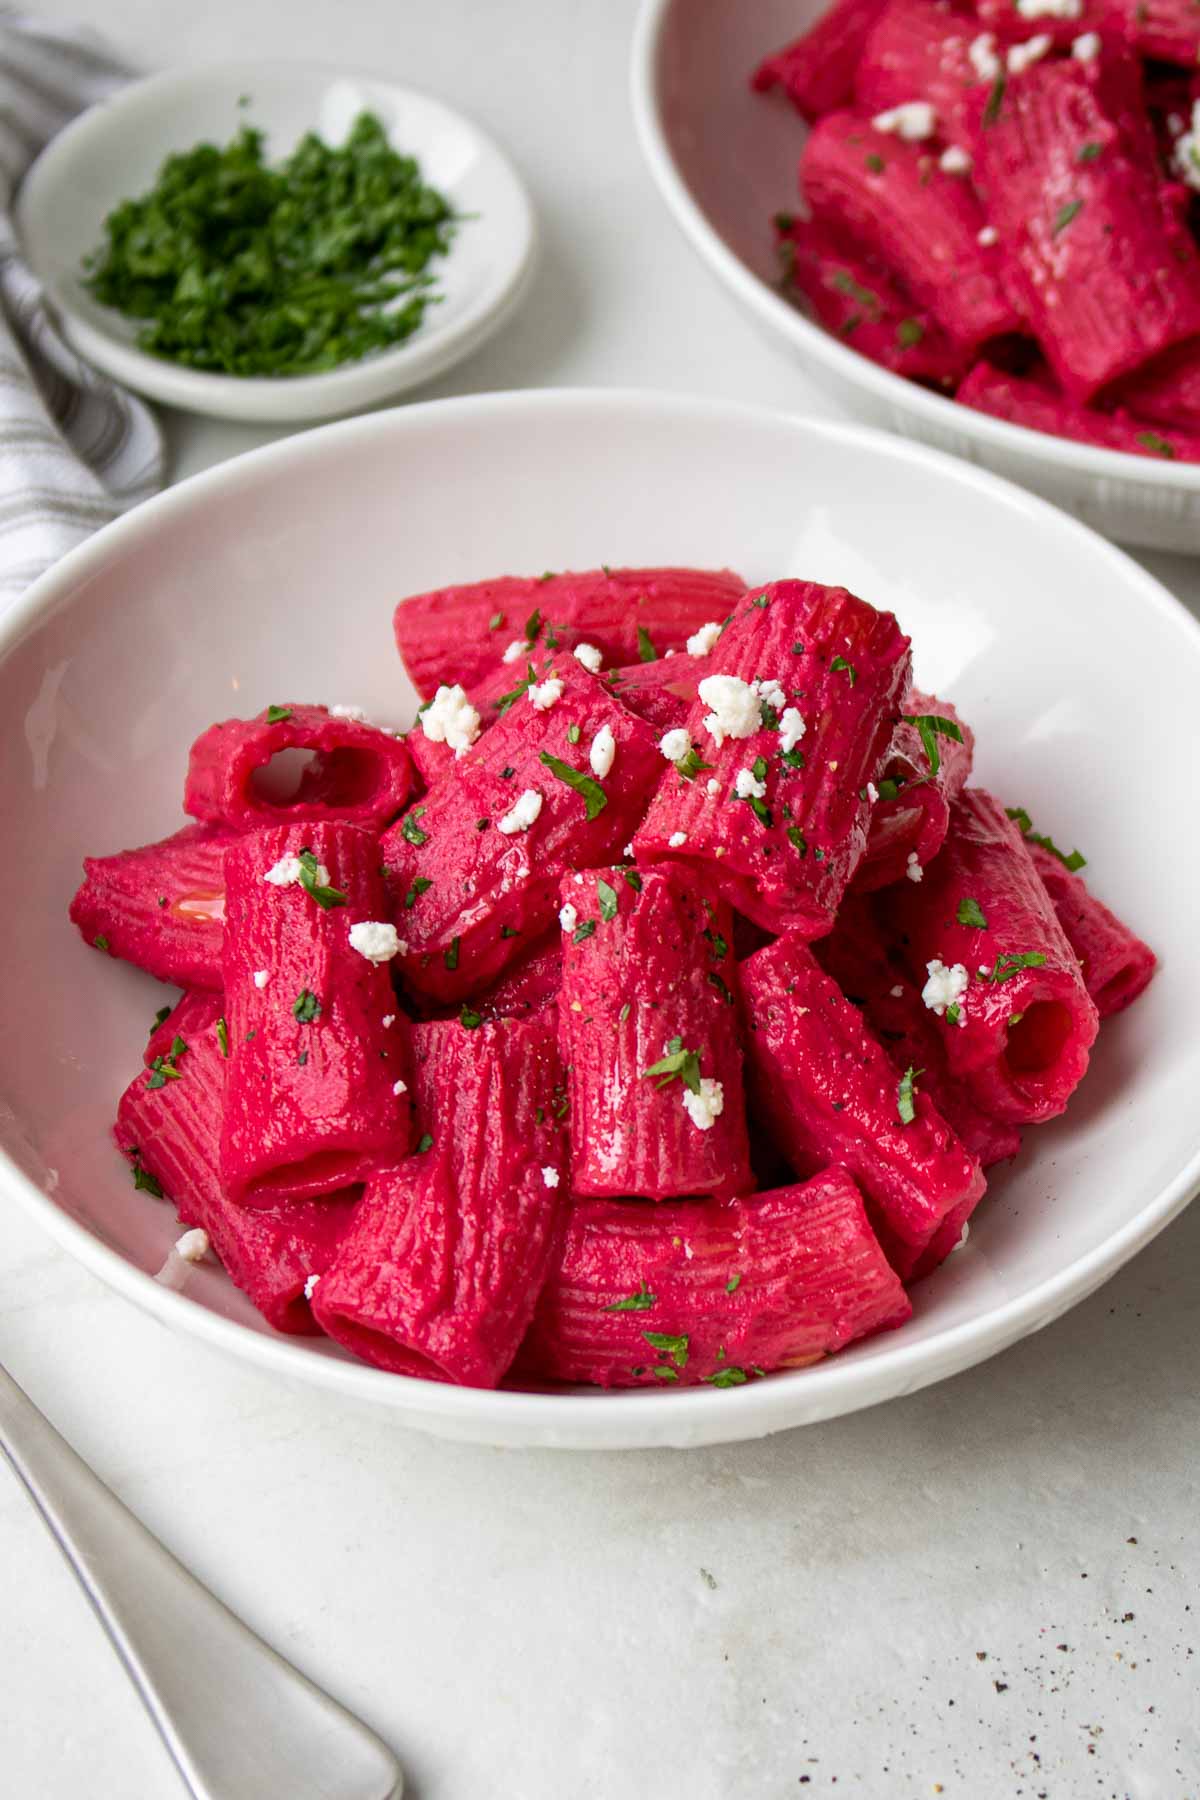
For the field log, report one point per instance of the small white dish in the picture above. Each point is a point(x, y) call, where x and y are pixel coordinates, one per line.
point(725, 159)
point(274, 577)
point(114, 151)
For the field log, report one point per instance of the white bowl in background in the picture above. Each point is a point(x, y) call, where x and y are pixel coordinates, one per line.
point(274, 576)
point(114, 151)
point(725, 160)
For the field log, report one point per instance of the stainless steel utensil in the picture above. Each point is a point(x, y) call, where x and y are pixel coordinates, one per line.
point(239, 1721)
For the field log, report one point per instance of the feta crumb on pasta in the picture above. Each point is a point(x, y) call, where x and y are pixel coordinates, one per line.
point(602, 752)
point(1087, 47)
point(954, 160)
point(677, 840)
point(550, 1176)
point(675, 744)
point(516, 650)
point(736, 708)
point(568, 917)
point(545, 694)
point(981, 54)
point(521, 815)
point(451, 719)
point(261, 977)
point(912, 867)
point(945, 986)
point(590, 656)
point(1049, 9)
point(913, 122)
point(1023, 56)
point(701, 642)
point(377, 940)
point(399, 1087)
point(791, 728)
point(310, 1285)
point(706, 1107)
point(987, 236)
point(747, 786)
point(355, 713)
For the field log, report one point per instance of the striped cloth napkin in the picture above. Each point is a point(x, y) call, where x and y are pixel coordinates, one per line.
point(75, 449)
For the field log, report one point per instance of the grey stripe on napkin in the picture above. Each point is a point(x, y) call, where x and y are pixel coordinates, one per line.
point(75, 449)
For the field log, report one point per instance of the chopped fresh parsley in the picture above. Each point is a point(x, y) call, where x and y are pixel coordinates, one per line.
point(632, 879)
point(721, 987)
point(887, 789)
point(573, 734)
point(665, 1372)
point(840, 665)
point(906, 1095)
point(646, 650)
point(930, 726)
point(674, 1347)
point(584, 930)
point(797, 839)
point(424, 1143)
point(727, 1377)
point(1010, 964)
point(760, 809)
point(625, 1012)
point(533, 624)
point(146, 1183)
point(306, 1007)
point(608, 900)
point(420, 886)
point(1064, 215)
point(758, 768)
point(495, 622)
point(1088, 152)
point(792, 759)
point(1075, 860)
point(450, 958)
point(641, 1301)
point(844, 282)
point(325, 897)
point(160, 1018)
point(509, 931)
point(874, 163)
point(222, 1037)
point(277, 714)
point(995, 99)
point(760, 600)
point(593, 794)
point(469, 1019)
point(692, 764)
point(243, 267)
point(720, 944)
point(677, 1064)
point(100, 941)
point(909, 332)
point(733, 1284)
point(971, 913)
point(953, 1014)
point(165, 1068)
point(514, 694)
point(1156, 444)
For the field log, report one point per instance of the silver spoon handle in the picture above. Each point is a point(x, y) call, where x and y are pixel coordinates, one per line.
point(239, 1721)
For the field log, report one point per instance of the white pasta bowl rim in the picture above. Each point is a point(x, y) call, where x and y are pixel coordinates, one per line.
point(941, 412)
point(588, 1419)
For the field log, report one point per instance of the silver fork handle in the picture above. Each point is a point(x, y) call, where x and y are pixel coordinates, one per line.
point(239, 1721)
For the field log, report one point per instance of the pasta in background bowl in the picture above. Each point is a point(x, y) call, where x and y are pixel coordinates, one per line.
point(276, 578)
point(726, 159)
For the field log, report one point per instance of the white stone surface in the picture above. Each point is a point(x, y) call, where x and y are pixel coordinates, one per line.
point(533, 1626)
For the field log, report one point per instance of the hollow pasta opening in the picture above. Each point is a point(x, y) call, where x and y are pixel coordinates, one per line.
point(1037, 1037)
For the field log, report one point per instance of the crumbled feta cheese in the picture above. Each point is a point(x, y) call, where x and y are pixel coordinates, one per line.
point(913, 121)
point(355, 713)
point(677, 840)
point(701, 642)
point(668, 654)
point(578, 879)
point(897, 992)
point(772, 692)
point(954, 161)
point(706, 1107)
point(985, 968)
point(377, 940)
point(913, 869)
point(310, 1285)
point(550, 1176)
point(747, 786)
point(521, 815)
point(261, 977)
point(568, 918)
point(602, 752)
point(287, 871)
point(399, 1087)
point(1187, 150)
point(1087, 49)
point(590, 656)
point(627, 853)
point(712, 786)
point(675, 744)
point(791, 728)
point(389, 1019)
point(192, 1246)
point(872, 793)
point(981, 54)
point(945, 987)
point(736, 709)
point(987, 236)
point(1049, 9)
point(516, 650)
point(545, 694)
point(1023, 56)
point(451, 719)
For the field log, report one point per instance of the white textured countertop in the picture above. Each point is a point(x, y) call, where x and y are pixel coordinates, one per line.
point(988, 1589)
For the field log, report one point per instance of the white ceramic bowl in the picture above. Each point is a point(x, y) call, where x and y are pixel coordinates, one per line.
point(275, 576)
point(114, 151)
point(725, 160)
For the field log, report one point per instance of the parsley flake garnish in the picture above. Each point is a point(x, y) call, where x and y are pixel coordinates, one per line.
point(608, 900)
point(797, 839)
point(450, 958)
point(419, 887)
point(887, 789)
point(1088, 152)
point(691, 765)
point(995, 99)
point(674, 1347)
point(573, 734)
point(641, 1301)
point(715, 981)
point(164, 1068)
point(909, 332)
point(325, 897)
point(874, 163)
point(146, 1183)
point(469, 1019)
point(100, 941)
point(906, 1095)
point(306, 1007)
point(733, 1284)
point(424, 1143)
point(971, 913)
point(222, 1037)
point(277, 714)
point(1156, 444)
point(160, 1018)
point(632, 879)
point(514, 694)
point(646, 650)
point(583, 931)
point(677, 1064)
point(720, 945)
point(729, 1376)
point(1064, 215)
point(593, 794)
point(953, 1014)
point(930, 726)
point(495, 622)
point(1010, 964)
point(533, 624)
point(1075, 860)
point(844, 282)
